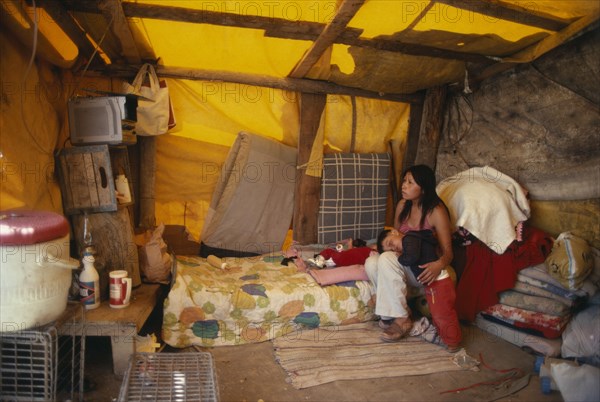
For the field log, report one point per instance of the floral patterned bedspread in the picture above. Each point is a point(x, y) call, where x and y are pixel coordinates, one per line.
point(254, 300)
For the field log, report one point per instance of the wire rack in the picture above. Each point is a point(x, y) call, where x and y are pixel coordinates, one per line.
point(70, 368)
point(41, 364)
point(170, 377)
point(28, 365)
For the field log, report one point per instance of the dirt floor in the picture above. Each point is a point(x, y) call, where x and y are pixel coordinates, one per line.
point(250, 373)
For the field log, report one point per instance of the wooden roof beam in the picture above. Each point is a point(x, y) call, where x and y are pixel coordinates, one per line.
point(277, 27)
point(115, 18)
point(70, 27)
point(525, 15)
point(289, 84)
point(344, 14)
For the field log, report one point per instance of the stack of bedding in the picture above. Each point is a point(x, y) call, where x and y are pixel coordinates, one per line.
point(535, 312)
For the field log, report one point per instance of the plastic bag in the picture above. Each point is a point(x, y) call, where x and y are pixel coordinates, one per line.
point(570, 261)
point(155, 261)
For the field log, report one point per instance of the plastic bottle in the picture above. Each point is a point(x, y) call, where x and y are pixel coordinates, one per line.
point(89, 283)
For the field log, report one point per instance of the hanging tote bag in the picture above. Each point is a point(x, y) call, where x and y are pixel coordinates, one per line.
point(154, 111)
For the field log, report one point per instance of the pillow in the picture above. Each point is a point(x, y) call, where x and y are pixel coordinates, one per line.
point(353, 196)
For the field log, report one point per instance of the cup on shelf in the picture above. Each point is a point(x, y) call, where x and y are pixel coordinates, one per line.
point(120, 289)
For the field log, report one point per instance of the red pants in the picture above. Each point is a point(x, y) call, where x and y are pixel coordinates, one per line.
point(353, 256)
point(441, 296)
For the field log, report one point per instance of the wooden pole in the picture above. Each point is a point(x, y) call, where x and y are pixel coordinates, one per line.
point(431, 126)
point(147, 179)
point(308, 188)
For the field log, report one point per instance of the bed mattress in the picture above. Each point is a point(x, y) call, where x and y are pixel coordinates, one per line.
point(253, 300)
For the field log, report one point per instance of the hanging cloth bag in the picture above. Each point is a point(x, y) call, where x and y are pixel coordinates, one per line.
point(154, 111)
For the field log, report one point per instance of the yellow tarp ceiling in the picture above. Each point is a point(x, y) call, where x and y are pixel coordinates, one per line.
point(385, 47)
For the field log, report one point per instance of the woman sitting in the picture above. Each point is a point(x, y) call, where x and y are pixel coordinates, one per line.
point(419, 209)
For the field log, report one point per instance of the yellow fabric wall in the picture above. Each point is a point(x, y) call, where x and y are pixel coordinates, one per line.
point(209, 115)
point(31, 120)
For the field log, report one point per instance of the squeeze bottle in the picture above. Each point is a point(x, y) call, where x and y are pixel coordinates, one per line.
point(89, 283)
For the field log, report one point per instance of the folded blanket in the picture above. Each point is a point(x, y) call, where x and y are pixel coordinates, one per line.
point(544, 346)
point(528, 328)
point(548, 324)
point(541, 276)
point(331, 276)
point(534, 290)
point(487, 203)
point(533, 303)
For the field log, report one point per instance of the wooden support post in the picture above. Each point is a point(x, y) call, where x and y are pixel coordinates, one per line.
point(431, 126)
point(412, 140)
point(308, 188)
point(147, 178)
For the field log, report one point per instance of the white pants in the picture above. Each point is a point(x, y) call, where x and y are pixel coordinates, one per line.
point(393, 284)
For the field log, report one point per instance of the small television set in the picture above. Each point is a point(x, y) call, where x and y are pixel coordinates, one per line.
point(101, 120)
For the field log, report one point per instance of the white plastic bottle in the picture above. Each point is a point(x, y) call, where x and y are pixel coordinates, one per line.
point(89, 283)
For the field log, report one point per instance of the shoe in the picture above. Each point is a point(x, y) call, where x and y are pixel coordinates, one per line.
point(385, 324)
point(396, 331)
point(431, 335)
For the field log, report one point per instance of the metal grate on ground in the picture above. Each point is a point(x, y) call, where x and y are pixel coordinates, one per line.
point(170, 377)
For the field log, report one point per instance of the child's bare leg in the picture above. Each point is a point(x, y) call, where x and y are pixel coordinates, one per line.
point(300, 264)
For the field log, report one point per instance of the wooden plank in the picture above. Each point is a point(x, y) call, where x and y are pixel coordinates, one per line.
point(121, 325)
point(345, 13)
point(64, 174)
point(308, 188)
point(147, 180)
point(115, 17)
point(72, 167)
point(412, 140)
point(108, 321)
point(92, 179)
point(526, 14)
point(73, 30)
point(289, 84)
point(76, 182)
point(431, 126)
point(143, 300)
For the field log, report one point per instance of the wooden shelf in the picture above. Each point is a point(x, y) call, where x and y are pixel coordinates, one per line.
point(122, 325)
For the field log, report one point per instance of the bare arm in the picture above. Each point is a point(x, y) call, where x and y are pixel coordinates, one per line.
point(440, 220)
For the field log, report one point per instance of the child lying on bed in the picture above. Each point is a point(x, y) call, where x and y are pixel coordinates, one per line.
point(412, 249)
point(356, 252)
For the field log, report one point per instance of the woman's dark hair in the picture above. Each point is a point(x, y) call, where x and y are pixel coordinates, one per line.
point(425, 178)
point(382, 235)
